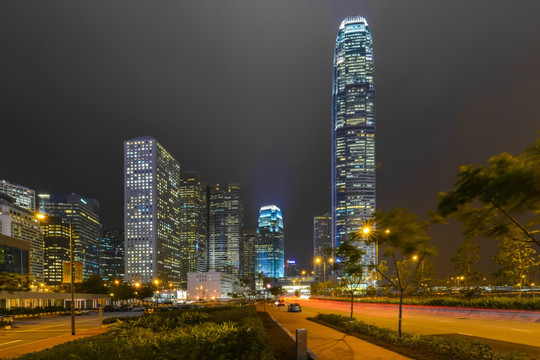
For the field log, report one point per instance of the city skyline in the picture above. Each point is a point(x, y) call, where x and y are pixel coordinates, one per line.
point(253, 106)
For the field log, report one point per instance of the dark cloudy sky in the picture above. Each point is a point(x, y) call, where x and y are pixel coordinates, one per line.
point(240, 90)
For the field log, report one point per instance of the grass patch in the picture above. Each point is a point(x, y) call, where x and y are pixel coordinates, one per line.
point(427, 347)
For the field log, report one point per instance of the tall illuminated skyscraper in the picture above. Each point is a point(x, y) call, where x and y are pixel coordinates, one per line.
point(322, 240)
point(84, 214)
point(353, 132)
point(247, 258)
point(270, 254)
point(226, 224)
point(193, 224)
point(151, 213)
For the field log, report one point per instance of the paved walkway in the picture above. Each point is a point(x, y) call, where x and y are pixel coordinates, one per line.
point(39, 345)
point(330, 344)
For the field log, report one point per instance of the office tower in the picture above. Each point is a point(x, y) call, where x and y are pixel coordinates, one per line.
point(322, 240)
point(193, 224)
point(19, 223)
point(112, 255)
point(56, 249)
point(247, 258)
point(225, 228)
point(270, 256)
point(291, 268)
point(353, 132)
point(151, 213)
point(23, 196)
point(84, 213)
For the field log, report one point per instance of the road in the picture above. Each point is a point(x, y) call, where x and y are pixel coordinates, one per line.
point(519, 332)
point(25, 332)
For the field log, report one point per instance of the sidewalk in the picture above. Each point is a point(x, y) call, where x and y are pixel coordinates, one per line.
point(327, 343)
point(39, 345)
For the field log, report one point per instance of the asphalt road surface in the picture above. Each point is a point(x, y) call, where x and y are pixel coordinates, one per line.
point(27, 331)
point(514, 331)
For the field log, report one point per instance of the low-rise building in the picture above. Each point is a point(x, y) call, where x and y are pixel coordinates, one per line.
point(212, 285)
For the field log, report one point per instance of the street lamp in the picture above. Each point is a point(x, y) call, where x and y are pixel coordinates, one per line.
point(44, 217)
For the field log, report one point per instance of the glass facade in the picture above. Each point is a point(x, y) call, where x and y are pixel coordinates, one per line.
point(14, 255)
point(353, 132)
point(111, 255)
point(226, 224)
point(270, 254)
point(151, 213)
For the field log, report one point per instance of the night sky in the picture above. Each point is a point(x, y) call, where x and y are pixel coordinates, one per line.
point(241, 92)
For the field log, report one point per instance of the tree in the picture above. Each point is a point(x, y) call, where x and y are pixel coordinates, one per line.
point(403, 239)
point(489, 199)
point(14, 282)
point(465, 260)
point(122, 291)
point(93, 285)
point(515, 258)
point(425, 278)
point(146, 291)
point(276, 290)
point(348, 267)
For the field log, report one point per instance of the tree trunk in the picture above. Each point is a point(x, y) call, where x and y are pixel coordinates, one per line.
point(400, 311)
point(352, 302)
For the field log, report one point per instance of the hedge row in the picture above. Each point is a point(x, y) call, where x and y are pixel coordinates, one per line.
point(232, 333)
point(432, 346)
point(37, 310)
point(480, 302)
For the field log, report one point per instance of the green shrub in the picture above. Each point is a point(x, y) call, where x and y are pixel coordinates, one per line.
point(228, 333)
point(436, 346)
point(483, 302)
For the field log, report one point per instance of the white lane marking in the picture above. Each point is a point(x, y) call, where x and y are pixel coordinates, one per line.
point(520, 330)
point(10, 342)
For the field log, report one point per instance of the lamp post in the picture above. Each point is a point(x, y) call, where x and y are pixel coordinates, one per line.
point(43, 217)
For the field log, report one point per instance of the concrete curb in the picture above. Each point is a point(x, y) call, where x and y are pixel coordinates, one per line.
point(310, 353)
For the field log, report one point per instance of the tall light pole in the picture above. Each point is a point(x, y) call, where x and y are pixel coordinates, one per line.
point(72, 276)
point(43, 217)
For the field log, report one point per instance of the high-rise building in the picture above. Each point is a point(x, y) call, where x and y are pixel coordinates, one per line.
point(193, 224)
point(23, 196)
point(322, 240)
point(19, 223)
point(84, 214)
point(353, 132)
point(249, 241)
point(56, 249)
point(225, 228)
point(151, 213)
point(112, 255)
point(270, 256)
point(291, 268)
